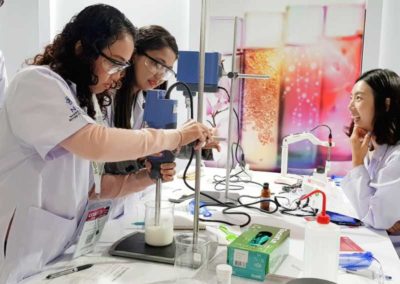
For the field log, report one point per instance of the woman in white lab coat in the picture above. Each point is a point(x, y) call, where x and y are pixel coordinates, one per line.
point(156, 52)
point(152, 65)
point(49, 135)
point(373, 184)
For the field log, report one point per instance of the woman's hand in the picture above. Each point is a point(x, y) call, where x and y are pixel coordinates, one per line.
point(167, 170)
point(359, 139)
point(395, 229)
point(193, 131)
point(213, 145)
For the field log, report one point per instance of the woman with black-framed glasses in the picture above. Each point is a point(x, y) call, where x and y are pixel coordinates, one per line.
point(53, 141)
point(152, 65)
point(155, 54)
point(111, 65)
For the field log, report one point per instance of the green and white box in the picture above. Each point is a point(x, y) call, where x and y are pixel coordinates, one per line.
point(258, 251)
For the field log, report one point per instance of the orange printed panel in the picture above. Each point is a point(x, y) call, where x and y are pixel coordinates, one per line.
point(261, 105)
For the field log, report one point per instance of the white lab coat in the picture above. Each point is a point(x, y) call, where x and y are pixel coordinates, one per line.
point(374, 189)
point(45, 185)
point(124, 204)
point(3, 79)
point(138, 112)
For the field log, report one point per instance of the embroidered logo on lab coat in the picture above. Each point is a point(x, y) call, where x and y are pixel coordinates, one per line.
point(75, 112)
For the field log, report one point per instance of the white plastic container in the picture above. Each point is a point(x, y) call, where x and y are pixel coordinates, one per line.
point(224, 273)
point(321, 246)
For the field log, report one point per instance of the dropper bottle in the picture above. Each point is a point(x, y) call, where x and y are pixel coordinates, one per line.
point(321, 245)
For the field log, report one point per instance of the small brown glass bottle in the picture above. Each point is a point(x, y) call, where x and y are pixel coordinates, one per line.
point(265, 193)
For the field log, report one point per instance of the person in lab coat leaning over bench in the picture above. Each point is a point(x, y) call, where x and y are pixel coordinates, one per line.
point(49, 136)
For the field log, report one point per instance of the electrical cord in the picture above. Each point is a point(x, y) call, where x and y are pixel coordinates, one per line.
point(228, 207)
point(218, 203)
point(235, 178)
point(241, 161)
point(168, 94)
point(305, 208)
point(329, 138)
point(322, 125)
point(238, 132)
point(234, 155)
point(270, 200)
point(292, 188)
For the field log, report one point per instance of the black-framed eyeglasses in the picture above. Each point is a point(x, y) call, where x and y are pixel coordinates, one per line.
point(157, 67)
point(113, 66)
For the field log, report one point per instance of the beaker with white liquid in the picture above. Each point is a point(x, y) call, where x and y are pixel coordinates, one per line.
point(159, 224)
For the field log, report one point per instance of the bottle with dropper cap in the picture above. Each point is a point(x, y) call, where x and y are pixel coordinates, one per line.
point(321, 245)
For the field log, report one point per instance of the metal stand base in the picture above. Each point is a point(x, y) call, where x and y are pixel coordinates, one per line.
point(232, 197)
point(134, 246)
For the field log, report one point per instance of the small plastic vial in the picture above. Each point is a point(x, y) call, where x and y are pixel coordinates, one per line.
point(224, 273)
point(265, 193)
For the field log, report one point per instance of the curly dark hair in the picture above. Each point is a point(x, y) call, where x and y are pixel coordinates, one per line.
point(384, 84)
point(151, 37)
point(95, 28)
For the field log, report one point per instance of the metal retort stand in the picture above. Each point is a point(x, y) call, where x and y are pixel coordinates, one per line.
point(233, 75)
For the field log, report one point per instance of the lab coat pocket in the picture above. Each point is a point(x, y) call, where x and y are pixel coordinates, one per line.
point(49, 235)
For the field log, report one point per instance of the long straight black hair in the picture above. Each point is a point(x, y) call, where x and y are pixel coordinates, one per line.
point(149, 38)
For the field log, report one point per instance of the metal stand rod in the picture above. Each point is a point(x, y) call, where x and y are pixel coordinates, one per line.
point(230, 119)
point(202, 59)
point(246, 76)
point(158, 202)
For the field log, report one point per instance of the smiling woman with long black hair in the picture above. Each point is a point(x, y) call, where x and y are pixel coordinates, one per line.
point(373, 185)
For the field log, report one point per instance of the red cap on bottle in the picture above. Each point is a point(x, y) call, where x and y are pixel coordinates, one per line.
point(322, 218)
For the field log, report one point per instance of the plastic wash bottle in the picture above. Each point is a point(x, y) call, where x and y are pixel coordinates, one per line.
point(321, 245)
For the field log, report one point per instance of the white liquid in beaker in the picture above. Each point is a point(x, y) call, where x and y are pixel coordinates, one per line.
point(161, 235)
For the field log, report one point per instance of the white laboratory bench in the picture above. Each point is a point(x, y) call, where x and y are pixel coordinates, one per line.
point(124, 270)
